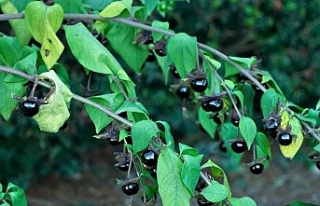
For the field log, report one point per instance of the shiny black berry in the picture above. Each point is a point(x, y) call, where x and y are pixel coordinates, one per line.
point(235, 121)
point(318, 165)
point(285, 139)
point(151, 57)
point(130, 188)
point(204, 106)
point(29, 108)
point(124, 167)
point(153, 172)
point(217, 119)
point(175, 73)
point(257, 168)
point(215, 105)
point(183, 92)
point(149, 158)
point(239, 146)
point(271, 125)
point(222, 147)
point(114, 141)
point(199, 85)
point(160, 48)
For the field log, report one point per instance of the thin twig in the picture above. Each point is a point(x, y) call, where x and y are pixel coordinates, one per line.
point(76, 97)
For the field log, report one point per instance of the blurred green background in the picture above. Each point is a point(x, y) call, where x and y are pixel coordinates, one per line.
point(284, 35)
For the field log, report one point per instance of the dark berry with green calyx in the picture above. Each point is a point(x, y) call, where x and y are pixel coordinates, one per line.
point(199, 85)
point(130, 188)
point(256, 168)
point(285, 139)
point(149, 158)
point(151, 57)
point(215, 105)
point(183, 92)
point(29, 108)
point(160, 48)
point(204, 106)
point(318, 165)
point(239, 146)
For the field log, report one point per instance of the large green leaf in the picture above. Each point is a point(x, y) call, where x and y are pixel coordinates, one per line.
point(172, 190)
point(7, 103)
point(142, 132)
point(121, 38)
point(244, 201)
point(182, 49)
point(99, 118)
point(248, 129)
point(10, 51)
point(263, 143)
point(43, 22)
point(215, 192)
point(245, 63)
point(89, 51)
point(190, 172)
point(17, 195)
point(268, 102)
point(207, 123)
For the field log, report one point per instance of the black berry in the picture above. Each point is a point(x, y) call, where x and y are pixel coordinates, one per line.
point(175, 73)
point(239, 146)
point(257, 168)
point(149, 158)
point(29, 108)
point(271, 125)
point(235, 121)
point(204, 106)
point(130, 188)
point(124, 167)
point(151, 57)
point(285, 139)
point(199, 85)
point(217, 119)
point(222, 147)
point(204, 202)
point(318, 165)
point(160, 48)
point(215, 105)
point(115, 141)
point(183, 92)
point(153, 172)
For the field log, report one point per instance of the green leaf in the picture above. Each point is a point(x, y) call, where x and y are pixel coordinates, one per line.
point(164, 66)
point(246, 63)
point(7, 103)
point(121, 79)
point(190, 172)
point(89, 51)
point(268, 79)
point(97, 5)
point(263, 143)
point(43, 22)
point(99, 118)
point(244, 201)
point(215, 192)
point(217, 171)
point(318, 105)
point(11, 51)
point(207, 123)
point(18, 25)
point(27, 65)
point(182, 49)
point(150, 4)
point(172, 190)
point(167, 135)
point(17, 195)
point(187, 150)
point(132, 108)
point(20, 4)
point(160, 25)
point(268, 102)
point(142, 132)
point(55, 113)
point(248, 129)
point(317, 148)
point(71, 6)
point(240, 96)
point(300, 203)
point(121, 38)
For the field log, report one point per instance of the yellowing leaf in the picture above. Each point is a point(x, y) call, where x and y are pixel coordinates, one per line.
point(43, 21)
point(291, 150)
point(285, 118)
point(55, 113)
point(113, 10)
point(19, 25)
